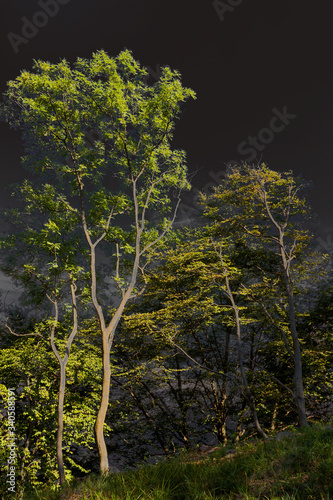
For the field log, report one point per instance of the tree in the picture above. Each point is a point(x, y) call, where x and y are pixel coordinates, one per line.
point(29, 365)
point(41, 258)
point(227, 273)
point(266, 209)
point(109, 185)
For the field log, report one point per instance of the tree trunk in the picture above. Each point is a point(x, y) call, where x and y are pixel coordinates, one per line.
point(286, 260)
point(298, 376)
point(220, 413)
point(100, 420)
point(62, 383)
point(61, 398)
point(275, 412)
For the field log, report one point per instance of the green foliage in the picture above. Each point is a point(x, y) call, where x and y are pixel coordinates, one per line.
point(91, 193)
point(55, 105)
point(102, 192)
point(30, 367)
point(187, 364)
point(174, 366)
point(316, 329)
point(185, 307)
point(265, 214)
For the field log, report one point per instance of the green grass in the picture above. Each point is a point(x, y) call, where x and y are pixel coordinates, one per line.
point(299, 467)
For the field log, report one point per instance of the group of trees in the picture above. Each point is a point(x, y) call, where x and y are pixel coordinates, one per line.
point(133, 335)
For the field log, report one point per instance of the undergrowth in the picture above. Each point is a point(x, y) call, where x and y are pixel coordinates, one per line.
point(297, 467)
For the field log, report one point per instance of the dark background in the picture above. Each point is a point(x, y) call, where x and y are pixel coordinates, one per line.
point(262, 55)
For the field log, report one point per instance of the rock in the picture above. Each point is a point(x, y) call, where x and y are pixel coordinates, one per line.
point(283, 434)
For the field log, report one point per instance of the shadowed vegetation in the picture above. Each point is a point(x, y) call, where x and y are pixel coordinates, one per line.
point(295, 465)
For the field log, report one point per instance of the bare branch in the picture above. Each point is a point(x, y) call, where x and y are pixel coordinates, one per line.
point(22, 334)
point(274, 378)
point(206, 368)
point(106, 228)
point(52, 329)
point(165, 231)
point(271, 319)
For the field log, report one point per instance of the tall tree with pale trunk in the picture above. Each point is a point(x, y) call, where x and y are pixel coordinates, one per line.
point(116, 186)
point(266, 210)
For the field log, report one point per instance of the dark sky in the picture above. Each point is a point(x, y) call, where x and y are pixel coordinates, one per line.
point(248, 60)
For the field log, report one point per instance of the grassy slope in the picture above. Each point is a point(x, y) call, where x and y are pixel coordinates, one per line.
point(299, 466)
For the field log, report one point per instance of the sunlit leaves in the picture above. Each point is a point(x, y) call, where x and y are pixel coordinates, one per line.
point(55, 104)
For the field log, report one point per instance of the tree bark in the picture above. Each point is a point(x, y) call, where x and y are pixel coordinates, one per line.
point(62, 384)
point(286, 262)
point(101, 415)
point(60, 430)
point(298, 372)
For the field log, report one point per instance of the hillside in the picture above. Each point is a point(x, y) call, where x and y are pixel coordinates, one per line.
point(293, 465)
